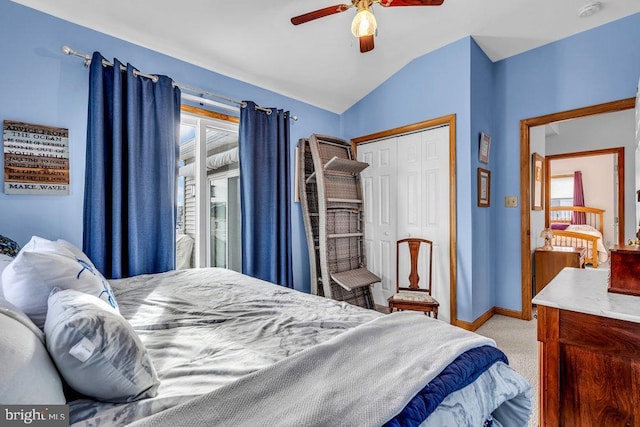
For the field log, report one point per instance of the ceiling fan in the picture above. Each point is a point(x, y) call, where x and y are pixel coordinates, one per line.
point(364, 24)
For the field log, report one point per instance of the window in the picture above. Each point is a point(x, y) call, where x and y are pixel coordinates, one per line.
point(561, 192)
point(209, 190)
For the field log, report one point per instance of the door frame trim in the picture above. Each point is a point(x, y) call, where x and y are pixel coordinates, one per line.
point(525, 182)
point(449, 120)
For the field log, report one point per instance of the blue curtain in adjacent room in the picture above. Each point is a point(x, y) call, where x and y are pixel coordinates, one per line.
point(131, 171)
point(265, 191)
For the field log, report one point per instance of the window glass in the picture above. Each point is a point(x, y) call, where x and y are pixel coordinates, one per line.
point(561, 193)
point(215, 231)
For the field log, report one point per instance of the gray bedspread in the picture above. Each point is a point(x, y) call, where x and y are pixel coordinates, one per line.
point(210, 332)
point(205, 328)
point(363, 377)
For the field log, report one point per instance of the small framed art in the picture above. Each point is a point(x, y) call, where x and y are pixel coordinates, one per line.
point(485, 147)
point(537, 181)
point(484, 187)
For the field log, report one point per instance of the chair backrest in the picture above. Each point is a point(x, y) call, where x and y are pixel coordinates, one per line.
point(414, 244)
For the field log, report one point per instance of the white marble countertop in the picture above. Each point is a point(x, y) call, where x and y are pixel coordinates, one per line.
point(584, 290)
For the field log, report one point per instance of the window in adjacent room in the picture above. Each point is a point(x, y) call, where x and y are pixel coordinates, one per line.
point(561, 192)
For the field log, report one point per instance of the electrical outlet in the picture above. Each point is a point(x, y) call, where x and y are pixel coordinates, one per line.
point(511, 201)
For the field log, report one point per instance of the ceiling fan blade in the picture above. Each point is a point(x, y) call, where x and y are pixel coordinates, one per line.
point(366, 43)
point(389, 3)
point(320, 13)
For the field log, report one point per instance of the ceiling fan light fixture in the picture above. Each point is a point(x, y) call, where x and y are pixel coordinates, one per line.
point(364, 23)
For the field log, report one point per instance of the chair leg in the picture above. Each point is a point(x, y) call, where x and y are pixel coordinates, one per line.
point(428, 313)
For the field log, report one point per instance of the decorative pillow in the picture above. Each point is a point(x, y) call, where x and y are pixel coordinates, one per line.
point(8, 246)
point(42, 265)
point(96, 350)
point(582, 227)
point(27, 376)
point(559, 226)
point(4, 261)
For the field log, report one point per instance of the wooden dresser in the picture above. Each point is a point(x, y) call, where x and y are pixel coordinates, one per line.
point(549, 262)
point(588, 352)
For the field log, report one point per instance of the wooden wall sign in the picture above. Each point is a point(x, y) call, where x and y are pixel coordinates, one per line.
point(36, 159)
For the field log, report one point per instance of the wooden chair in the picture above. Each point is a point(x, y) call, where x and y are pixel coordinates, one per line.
point(412, 297)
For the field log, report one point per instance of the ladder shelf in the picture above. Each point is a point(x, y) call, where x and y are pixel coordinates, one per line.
point(330, 193)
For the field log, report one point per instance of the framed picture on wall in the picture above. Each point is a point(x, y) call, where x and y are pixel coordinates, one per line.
point(485, 147)
point(36, 159)
point(537, 181)
point(484, 187)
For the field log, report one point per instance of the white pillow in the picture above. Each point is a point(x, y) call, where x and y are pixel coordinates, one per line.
point(27, 374)
point(581, 227)
point(4, 262)
point(42, 265)
point(96, 350)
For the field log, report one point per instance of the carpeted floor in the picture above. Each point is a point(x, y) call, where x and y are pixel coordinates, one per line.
point(517, 338)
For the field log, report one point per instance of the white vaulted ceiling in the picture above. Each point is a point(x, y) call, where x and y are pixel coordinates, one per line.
point(319, 62)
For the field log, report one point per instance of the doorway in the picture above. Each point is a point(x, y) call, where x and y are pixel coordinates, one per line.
point(208, 187)
point(525, 183)
point(604, 186)
point(225, 247)
point(408, 139)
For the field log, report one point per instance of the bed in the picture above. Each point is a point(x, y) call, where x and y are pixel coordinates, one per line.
point(584, 231)
point(215, 347)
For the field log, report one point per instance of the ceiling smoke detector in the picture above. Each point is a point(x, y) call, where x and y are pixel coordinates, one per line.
point(589, 9)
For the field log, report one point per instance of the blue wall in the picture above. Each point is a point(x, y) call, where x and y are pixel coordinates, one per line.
point(41, 85)
point(589, 68)
point(482, 120)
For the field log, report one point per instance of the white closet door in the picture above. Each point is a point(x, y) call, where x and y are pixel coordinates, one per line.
point(435, 211)
point(409, 198)
point(379, 183)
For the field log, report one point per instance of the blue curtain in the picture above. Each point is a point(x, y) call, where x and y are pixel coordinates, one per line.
point(265, 191)
point(131, 171)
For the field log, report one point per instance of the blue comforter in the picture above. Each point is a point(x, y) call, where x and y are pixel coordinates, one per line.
point(465, 369)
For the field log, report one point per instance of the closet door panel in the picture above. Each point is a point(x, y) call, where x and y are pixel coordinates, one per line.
point(379, 191)
point(435, 211)
point(409, 187)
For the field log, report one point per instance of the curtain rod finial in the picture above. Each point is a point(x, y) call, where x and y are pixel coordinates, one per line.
point(68, 51)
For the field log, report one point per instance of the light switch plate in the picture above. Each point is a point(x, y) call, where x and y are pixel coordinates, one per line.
point(511, 201)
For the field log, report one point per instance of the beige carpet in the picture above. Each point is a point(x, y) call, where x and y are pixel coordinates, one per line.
point(517, 339)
